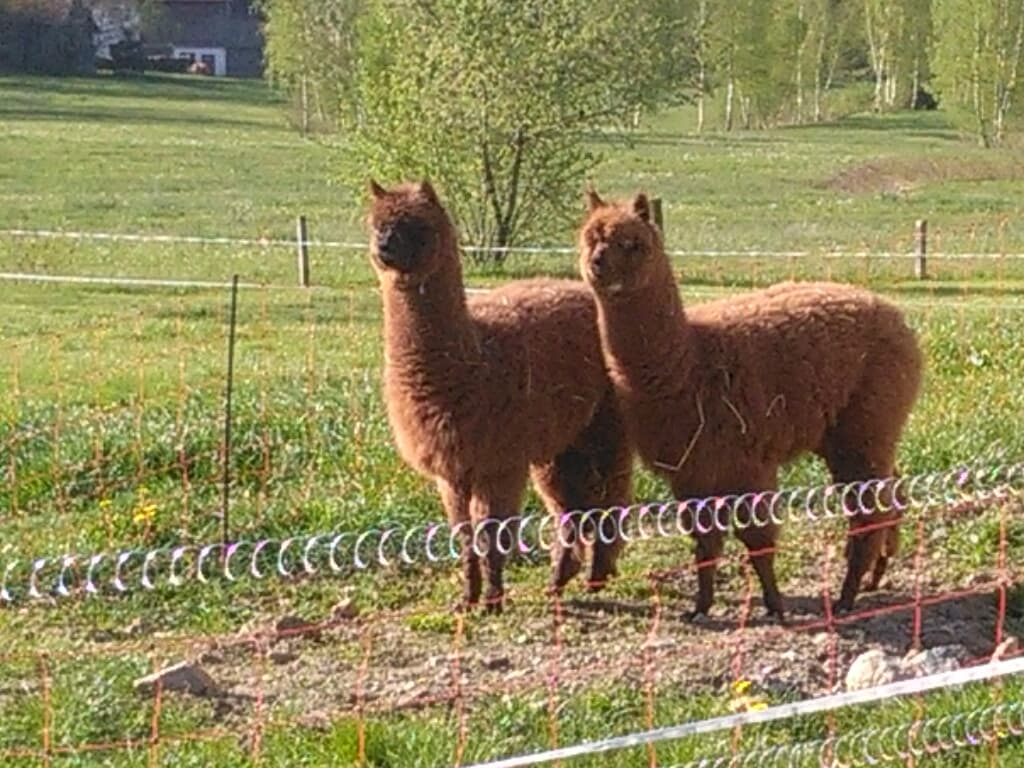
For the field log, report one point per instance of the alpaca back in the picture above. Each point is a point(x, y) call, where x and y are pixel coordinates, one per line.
point(539, 343)
point(778, 367)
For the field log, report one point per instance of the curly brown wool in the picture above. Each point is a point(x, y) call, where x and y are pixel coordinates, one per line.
point(483, 394)
point(717, 397)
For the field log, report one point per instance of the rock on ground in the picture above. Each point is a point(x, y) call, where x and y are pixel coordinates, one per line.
point(875, 667)
point(187, 677)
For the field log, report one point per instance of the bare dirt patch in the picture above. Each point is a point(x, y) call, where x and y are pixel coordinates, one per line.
point(540, 651)
point(902, 175)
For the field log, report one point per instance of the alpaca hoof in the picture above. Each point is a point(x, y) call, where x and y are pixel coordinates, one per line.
point(600, 576)
point(698, 617)
point(776, 616)
point(844, 606)
point(494, 605)
point(464, 606)
point(874, 584)
point(566, 570)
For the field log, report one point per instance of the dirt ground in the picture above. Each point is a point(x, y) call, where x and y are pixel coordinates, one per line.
point(383, 663)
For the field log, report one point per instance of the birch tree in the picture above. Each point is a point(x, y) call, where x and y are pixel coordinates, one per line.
point(310, 51)
point(977, 60)
point(898, 34)
point(830, 34)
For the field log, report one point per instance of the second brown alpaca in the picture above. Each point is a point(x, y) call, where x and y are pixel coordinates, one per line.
point(482, 394)
point(719, 396)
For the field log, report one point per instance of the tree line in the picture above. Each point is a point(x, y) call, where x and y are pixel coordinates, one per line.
point(46, 37)
point(497, 98)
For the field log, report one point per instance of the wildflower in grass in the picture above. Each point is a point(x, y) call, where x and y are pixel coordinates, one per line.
point(743, 700)
point(740, 687)
point(144, 513)
point(105, 503)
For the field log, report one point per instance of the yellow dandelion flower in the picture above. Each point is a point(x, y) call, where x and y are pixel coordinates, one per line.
point(747, 704)
point(105, 503)
point(144, 514)
point(741, 686)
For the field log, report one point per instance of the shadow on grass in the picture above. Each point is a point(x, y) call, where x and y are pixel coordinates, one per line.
point(927, 289)
point(133, 116)
point(153, 85)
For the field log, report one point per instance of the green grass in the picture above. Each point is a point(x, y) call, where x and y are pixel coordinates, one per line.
point(110, 401)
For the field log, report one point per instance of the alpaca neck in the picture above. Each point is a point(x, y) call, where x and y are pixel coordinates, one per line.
point(427, 319)
point(646, 336)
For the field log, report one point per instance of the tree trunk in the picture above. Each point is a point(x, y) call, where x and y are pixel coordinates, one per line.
point(512, 204)
point(915, 80)
point(701, 88)
point(800, 69)
point(702, 73)
point(977, 103)
point(891, 84)
point(730, 96)
point(819, 61)
point(304, 106)
point(1010, 85)
point(876, 52)
point(880, 82)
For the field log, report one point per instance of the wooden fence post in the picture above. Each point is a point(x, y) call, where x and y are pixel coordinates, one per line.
point(921, 249)
point(302, 242)
point(656, 212)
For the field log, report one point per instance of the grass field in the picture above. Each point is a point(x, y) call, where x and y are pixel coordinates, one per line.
point(110, 429)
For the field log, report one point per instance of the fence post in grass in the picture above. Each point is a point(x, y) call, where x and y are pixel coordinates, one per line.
point(921, 249)
point(225, 505)
point(659, 219)
point(302, 241)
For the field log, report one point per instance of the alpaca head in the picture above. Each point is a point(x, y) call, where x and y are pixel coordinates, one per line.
point(410, 232)
point(620, 247)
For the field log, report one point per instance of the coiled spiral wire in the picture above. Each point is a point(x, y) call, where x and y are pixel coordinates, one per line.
point(345, 552)
point(883, 745)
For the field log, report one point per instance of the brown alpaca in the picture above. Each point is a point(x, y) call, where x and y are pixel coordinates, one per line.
point(482, 395)
point(716, 398)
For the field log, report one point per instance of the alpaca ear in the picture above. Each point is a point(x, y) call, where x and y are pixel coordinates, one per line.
point(427, 190)
point(642, 206)
point(594, 200)
point(377, 190)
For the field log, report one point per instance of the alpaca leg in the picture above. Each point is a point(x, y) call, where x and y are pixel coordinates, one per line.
point(553, 482)
point(709, 550)
point(754, 527)
point(613, 460)
point(710, 543)
point(605, 482)
point(862, 445)
point(594, 473)
point(873, 535)
point(455, 497)
point(494, 501)
point(890, 549)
